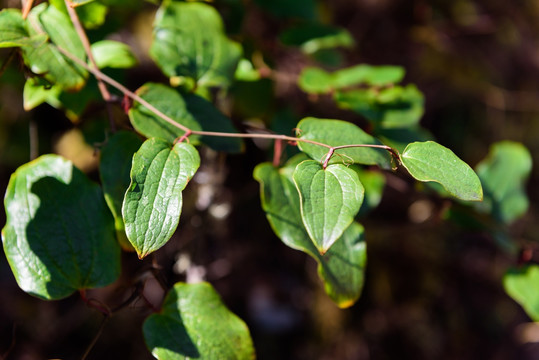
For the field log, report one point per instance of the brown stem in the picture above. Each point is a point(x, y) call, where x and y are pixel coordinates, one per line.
point(27, 7)
point(87, 48)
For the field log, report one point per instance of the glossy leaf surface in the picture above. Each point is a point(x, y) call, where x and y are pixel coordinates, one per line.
point(153, 201)
point(59, 235)
point(430, 161)
point(342, 267)
point(195, 324)
point(503, 174)
point(330, 199)
point(336, 133)
point(521, 285)
point(114, 169)
point(189, 41)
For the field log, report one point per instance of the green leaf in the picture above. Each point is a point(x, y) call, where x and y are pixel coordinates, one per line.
point(36, 92)
point(521, 284)
point(92, 15)
point(342, 267)
point(368, 75)
point(330, 199)
point(315, 81)
point(337, 133)
point(503, 174)
point(374, 183)
point(59, 234)
point(189, 41)
point(195, 324)
point(246, 72)
point(153, 201)
point(113, 54)
point(430, 161)
point(390, 108)
point(312, 37)
point(45, 59)
point(114, 169)
point(169, 102)
point(14, 31)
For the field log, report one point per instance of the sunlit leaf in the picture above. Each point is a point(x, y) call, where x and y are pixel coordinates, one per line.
point(337, 133)
point(114, 54)
point(59, 234)
point(195, 324)
point(330, 199)
point(521, 284)
point(430, 161)
point(503, 174)
point(342, 267)
point(153, 201)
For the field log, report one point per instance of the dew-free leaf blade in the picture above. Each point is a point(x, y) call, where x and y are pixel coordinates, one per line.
point(114, 169)
point(153, 202)
point(13, 29)
point(114, 54)
point(521, 284)
point(195, 324)
point(337, 133)
point(430, 161)
point(59, 234)
point(189, 41)
point(342, 267)
point(503, 174)
point(330, 198)
point(169, 102)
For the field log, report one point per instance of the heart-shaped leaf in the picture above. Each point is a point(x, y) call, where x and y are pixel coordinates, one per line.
point(503, 174)
point(341, 268)
point(337, 133)
point(521, 284)
point(153, 201)
point(114, 168)
point(189, 41)
point(59, 234)
point(330, 199)
point(195, 324)
point(430, 161)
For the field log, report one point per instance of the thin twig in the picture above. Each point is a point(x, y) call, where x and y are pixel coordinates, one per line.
point(27, 7)
point(87, 48)
point(96, 337)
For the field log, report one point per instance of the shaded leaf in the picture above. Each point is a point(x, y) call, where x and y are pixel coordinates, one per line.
point(342, 267)
point(430, 161)
point(14, 31)
point(153, 202)
point(59, 234)
point(312, 37)
point(114, 169)
point(315, 81)
point(304, 9)
point(521, 284)
point(189, 41)
point(330, 199)
point(336, 133)
point(195, 324)
point(246, 72)
point(368, 75)
point(503, 174)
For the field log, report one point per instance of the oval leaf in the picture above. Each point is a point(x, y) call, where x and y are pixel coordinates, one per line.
point(341, 268)
point(189, 41)
point(336, 133)
point(153, 201)
point(521, 284)
point(195, 324)
point(59, 234)
point(114, 168)
point(114, 54)
point(430, 161)
point(329, 199)
point(503, 174)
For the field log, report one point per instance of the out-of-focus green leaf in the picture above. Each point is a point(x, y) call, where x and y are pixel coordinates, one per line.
point(91, 15)
point(337, 133)
point(503, 174)
point(246, 72)
point(315, 81)
point(114, 54)
point(195, 324)
point(342, 267)
point(14, 31)
point(390, 108)
point(522, 285)
point(374, 183)
point(36, 92)
point(114, 168)
point(48, 61)
point(312, 37)
point(153, 202)
point(368, 75)
point(430, 161)
point(169, 102)
point(330, 198)
point(59, 234)
point(189, 41)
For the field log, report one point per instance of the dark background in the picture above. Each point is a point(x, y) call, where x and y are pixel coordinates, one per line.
point(433, 289)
